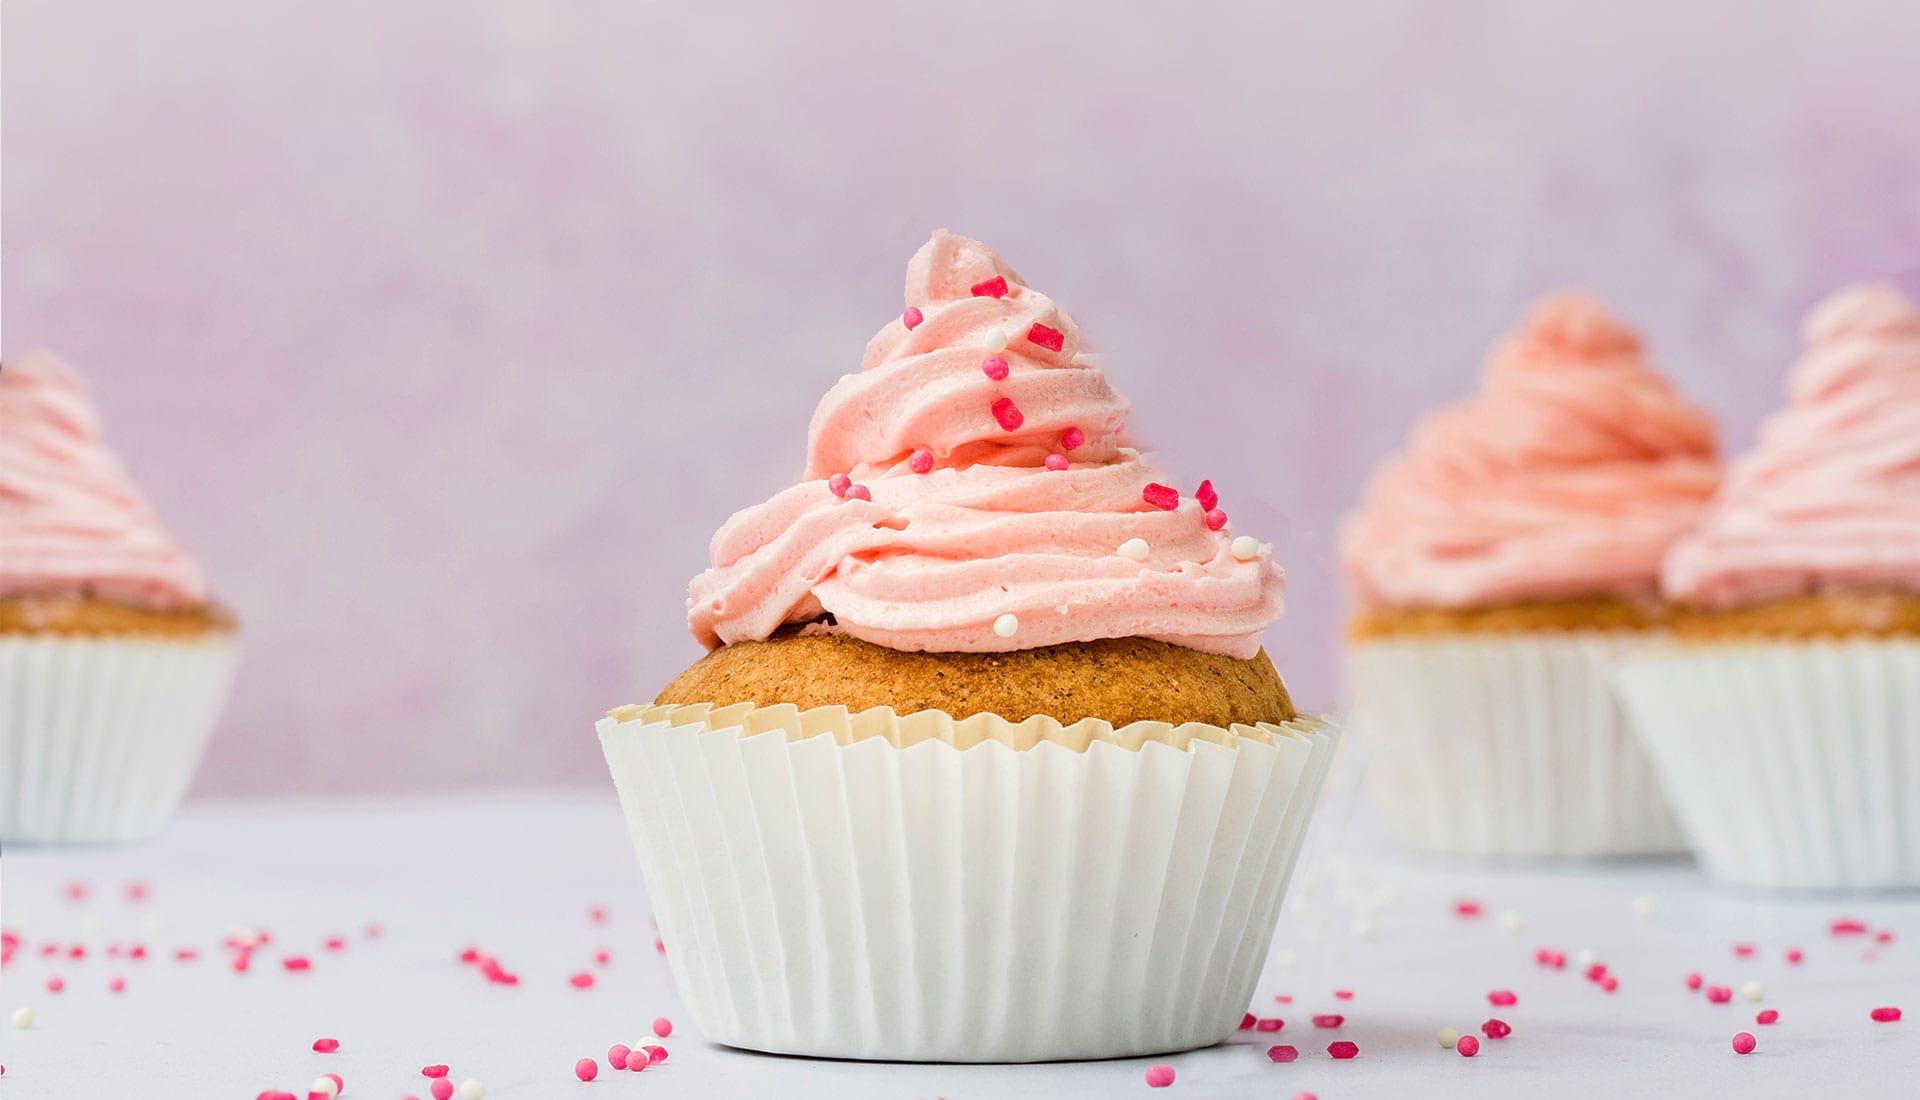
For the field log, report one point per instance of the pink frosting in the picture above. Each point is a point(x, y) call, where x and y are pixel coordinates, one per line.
point(71, 522)
point(1829, 498)
point(933, 560)
point(1568, 477)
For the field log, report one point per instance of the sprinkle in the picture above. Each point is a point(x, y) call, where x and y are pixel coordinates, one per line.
point(1209, 500)
point(1767, 1016)
point(1244, 548)
point(1643, 907)
point(1343, 994)
point(1584, 957)
point(1468, 1046)
point(911, 317)
point(1695, 981)
point(1743, 951)
point(1447, 1036)
point(1883, 937)
point(996, 339)
point(1885, 1015)
point(655, 1054)
point(1247, 1021)
point(1135, 549)
point(1007, 414)
point(470, 1089)
point(1282, 1053)
point(322, 1086)
point(297, 962)
point(23, 1018)
point(1744, 1042)
point(1164, 497)
point(1049, 338)
point(858, 492)
point(334, 943)
point(1283, 998)
point(433, 1071)
point(56, 984)
point(1502, 998)
point(373, 931)
point(325, 1046)
point(1496, 1029)
point(1271, 1023)
point(1596, 972)
point(1845, 927)
point(1343, 1050)
point(1609, 983)
point(77, 951)
point(838, 485)
point(1753, 992)
point(994, 367)
point(116, 985)
point(586, 1069)
point(1057, 462)
point(1329, 1021)
point(602, 956)
point(1510, 919)
point(920, 461)
point(441, 1089)
point(1006, 625)
point(995, 287)
point(582, 980)
point(1159, 1076)
point(617, 1055)
point(1305, 1096)
point(1719, 994)
point(1215, 519)
point(662, 1026)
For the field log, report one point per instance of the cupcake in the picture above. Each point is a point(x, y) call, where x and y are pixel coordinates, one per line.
point(1501, 566)
point(1784, 718)
point(986, 761)
point(114, 660)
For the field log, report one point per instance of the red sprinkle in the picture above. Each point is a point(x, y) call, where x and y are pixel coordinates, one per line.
point(995, 287)
point(1057, 463)
point(1845, 927)
point(1215, 519)
point(1160, 1076)
point(1329, 1021)
point(582, 980)
point(472, 954)
point(1496, 1029)
point(1343, 994)
point(994, 367)
point(297, 962)
point(325, 1046)
point(1048, 338)
point(1247, 1021)
point(1164, 497)
point(1695, 981)
point(1885, 1015)
point(838, 485)
point(1467, 1045)
point(859, 492)
point(1343, 1049)
point(441, 1089)
point(1282, 1053)
point(1071, 439)
point(1768, 1016)
point(433, 1071)
point(1271, 1023)
point(1744, 1042)
point(911, 317)
point(1008, 416)
point(1719, 994)
point(662, 1026)
point(920, 461)
point(586, 1069)
point(655, 1054)
point(1502, 998)
point(1209, 500)
point(617, 1055)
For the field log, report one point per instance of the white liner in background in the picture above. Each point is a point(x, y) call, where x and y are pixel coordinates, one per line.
point(1508, 746)
point(99, 737)
point(1794, 765)
point(920, 889)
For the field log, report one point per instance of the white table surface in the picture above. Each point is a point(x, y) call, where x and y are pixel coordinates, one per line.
point(516, 875)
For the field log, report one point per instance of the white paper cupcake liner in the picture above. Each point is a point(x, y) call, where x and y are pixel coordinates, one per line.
point(1793, 765)
point(919, 889)
point(99, 737)
point(1506, 746)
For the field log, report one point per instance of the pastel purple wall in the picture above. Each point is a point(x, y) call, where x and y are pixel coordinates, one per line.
point(447, 332)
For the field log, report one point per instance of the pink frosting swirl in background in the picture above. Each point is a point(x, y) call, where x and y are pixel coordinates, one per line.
point(934, 559)
point(1568, 477)
point(71, 522)
point(1829, 498)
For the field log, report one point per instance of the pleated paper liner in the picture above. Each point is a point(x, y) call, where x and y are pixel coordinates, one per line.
point(99, 737)
point(1793, 765)
point(1507, 746)
point(922, 889)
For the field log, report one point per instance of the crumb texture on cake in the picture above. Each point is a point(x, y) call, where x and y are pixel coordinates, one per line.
point(1119, 680)
point(79, 616)
point(1604, 613)
point(1831, 615)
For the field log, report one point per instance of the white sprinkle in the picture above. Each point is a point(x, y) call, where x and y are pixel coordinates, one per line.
point(1512, 921)
point(93, 924)
point(23, 1017)
point(1133, 548)
point(17, 918)
point(1006, 625)
point(996, 340)
point(1285, 958)
point(154, 924)
point(324, 1086)
point(1584, 957)
point(1643, 907)
point(470, 1089)
point(1447, 1036)
point(1362, 927)
point(1244, 548)
point(1753, 992)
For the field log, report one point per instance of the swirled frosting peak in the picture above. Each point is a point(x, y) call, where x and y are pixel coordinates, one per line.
point(1829, 498)
point(71, 522)
point(1568, 477)
point(968, 490)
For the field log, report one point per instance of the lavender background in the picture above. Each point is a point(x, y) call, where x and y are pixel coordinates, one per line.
point(447, 332)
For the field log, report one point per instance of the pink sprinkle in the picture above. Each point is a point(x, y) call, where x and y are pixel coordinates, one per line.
point(56, 984)
point(137, 891)
point(1164, 497)
point(597, 914)
point(659, 946)
point(1496, 1029)
point(911, 317)
point(1160, 1076)
point(1247, 1021)
point(1883, 937)
point(662, 1026)
point(276, 1094)
point(242, 960)
point(1008, 416)
point(373, 931)
point(586, 1069)
point(1283, 998)
point(1845, 927)
point(335, 943)
point(858, 492)
point(1744, 1042)
point(920, 461)
point(636, 1062)
point(472, 954)
point(1272, 1023)
point(1052, 340)
point(1056, 462)
point(1343, 994)
point(339, 1086)
point(1343, 1050)
point(325, 1046)
point(113, 950)
point(117, 985)
point(76, 891)
point(1743, 950)
point(433, 1071)
point(1071, 439)
point(1282, 1053)
point(602, 956)
point(655, 1055)
point(1768, 1016)
point(1467, 1046)
point(1215, 519)
point(76, 952)
point(441, 1089)
point(617, 1055)
point(838, 485)
point(1209, 500)
point(297, 962)
point(1719, 994)
point(995, 367)
point(1305, 1096)
point(49, 950)
point(1596, 972)
point(582, 980)
point(137, 951)
point(1329, 1021)
point(1609, 983)
point(1885, 1015)
point(1695, 981)
point(995, 287)
point(1502, 998)
point(1558, 960)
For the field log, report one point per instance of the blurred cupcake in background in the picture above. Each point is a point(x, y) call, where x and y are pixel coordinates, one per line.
point(114, 660)
point(1501, 566)
point(1785, 718)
